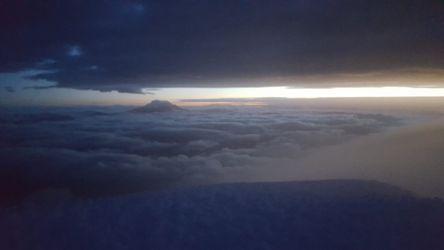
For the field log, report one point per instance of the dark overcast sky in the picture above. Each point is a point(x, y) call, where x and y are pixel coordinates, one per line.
point(126, 45)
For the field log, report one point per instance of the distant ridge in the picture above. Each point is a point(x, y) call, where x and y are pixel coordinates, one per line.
point(157, 106)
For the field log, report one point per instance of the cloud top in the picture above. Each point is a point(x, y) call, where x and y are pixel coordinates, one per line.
point(95, 153)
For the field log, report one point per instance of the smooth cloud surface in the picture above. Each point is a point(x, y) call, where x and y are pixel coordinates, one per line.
point(410, 157)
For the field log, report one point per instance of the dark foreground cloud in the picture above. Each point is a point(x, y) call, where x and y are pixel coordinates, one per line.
point(337, 214)
point(96, 153)
point(126, 45)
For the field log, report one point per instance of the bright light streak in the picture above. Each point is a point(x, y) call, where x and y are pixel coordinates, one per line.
point(261, 92)
point(357, 92)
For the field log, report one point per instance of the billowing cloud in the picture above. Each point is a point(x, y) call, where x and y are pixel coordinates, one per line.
point(128, 45)
point(106, 152)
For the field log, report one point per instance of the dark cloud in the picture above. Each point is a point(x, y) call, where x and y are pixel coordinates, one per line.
point(35, 118)
point(126, 45)
point(334, 214)
point(100, 152)
point(9, 89)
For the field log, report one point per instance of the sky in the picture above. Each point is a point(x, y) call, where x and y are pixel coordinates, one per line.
point(128, 52)
point(342, 98)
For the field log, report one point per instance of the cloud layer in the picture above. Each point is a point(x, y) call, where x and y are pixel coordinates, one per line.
point(409, 157)
point(335, 214)
point(127, 45)
point(107, 151)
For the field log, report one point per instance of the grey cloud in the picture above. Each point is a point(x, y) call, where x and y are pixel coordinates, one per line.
point(410, 157)
point(107, 152)
point(9, 89)
point(119, 45)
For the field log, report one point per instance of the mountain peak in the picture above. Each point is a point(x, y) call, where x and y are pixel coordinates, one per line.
point(157, 106)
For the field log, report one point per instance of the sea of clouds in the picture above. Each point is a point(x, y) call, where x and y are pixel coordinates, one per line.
point(108, 151)
point(109, 178)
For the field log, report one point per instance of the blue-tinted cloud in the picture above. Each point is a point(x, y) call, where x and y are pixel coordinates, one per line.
point(110, 151)
point(136, 44)
point(332, 214)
